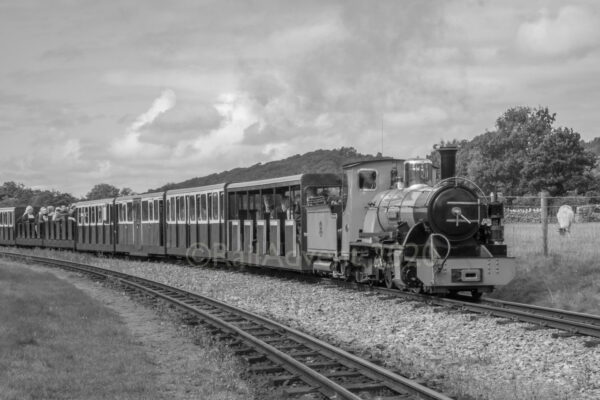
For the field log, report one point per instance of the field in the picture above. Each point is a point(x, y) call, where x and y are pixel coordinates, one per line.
point(568, 278)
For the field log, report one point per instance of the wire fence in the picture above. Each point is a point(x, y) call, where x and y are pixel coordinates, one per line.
point(531, 225)
point(528, 209)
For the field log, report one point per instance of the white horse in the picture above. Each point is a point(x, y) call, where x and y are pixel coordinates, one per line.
point(565, 217)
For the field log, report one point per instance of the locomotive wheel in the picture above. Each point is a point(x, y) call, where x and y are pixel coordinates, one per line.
point(388, 277)
point(476, 294)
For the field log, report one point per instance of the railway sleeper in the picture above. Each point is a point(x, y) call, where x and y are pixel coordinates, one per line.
point(266, 369)
point(253, 359)
point(300, 391)
point(244, 350)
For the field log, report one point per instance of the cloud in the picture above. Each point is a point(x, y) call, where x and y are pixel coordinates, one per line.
point(573, 31)
point(131, 145)
point(419, 117)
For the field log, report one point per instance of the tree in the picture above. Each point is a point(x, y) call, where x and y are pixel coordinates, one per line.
point(516, 157)
point(559, 164)
point(102, 191)
point(126, 192)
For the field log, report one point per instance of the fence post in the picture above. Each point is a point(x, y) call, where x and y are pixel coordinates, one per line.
point(544, 212)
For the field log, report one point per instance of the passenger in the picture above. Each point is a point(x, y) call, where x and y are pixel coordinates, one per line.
point(286, 211)
point(269, 210)
point(297, 207)
point(43, 215)
point(61, 213)
point(51, 212)
point(71, 212)
point(29, 218)
point(28, 214)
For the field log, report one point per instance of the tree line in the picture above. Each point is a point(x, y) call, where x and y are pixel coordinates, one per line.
point(14, 194)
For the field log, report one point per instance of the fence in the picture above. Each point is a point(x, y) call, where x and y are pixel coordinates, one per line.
point(531, 223)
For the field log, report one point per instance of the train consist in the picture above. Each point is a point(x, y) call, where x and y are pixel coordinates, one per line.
point(382, 221)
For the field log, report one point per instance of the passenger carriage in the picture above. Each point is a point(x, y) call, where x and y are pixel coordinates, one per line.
point(95, 225)
point(149, 235)
point(267, 219)
point(140, 224)
point(195, 222)
point(7, 226)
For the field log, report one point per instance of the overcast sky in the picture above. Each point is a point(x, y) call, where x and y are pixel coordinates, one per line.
point(141, 93)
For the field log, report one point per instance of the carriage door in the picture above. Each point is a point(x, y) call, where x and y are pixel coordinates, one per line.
point(137, 223)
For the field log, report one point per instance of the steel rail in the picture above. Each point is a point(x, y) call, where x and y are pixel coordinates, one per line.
point(574, 323)
point(378, 378)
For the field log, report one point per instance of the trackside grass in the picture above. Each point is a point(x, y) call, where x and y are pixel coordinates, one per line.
point(568, 278)
point(56, 342)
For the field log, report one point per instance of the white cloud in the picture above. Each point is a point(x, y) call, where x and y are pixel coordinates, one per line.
point(573, 30)
point(131, 145)
point(236, 111)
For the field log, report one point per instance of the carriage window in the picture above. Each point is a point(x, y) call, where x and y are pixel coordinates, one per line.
point(151, 211)
point(367, 179)
point(192, 207)
point(2, 219)
point(94, 212)
point(203, 208)
point(10, 219)
point(221, 205)
point(107, 214)
point(172, 210)
point(86, 215)
point(233, 206)
point(155, 213)
point(129, 211)
point(215, 206)
point(145, 210)
point(181, 208)
point(80, 216)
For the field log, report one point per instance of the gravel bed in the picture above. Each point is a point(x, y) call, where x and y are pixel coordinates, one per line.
point(464, 355)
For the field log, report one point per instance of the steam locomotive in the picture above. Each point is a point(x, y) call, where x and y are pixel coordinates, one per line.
point(410, 232)
point(385, 221)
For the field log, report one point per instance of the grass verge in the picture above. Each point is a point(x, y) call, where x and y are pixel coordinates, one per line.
point(56, 342)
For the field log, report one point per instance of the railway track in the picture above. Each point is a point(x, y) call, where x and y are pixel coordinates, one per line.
point(301, 364)
point(571, 322)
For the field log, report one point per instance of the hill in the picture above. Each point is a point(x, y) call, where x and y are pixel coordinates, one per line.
point(318, 161)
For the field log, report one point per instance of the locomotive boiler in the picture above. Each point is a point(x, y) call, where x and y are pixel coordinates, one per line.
point(403, 227)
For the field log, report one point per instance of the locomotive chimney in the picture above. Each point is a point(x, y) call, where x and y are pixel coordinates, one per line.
point(448, 160)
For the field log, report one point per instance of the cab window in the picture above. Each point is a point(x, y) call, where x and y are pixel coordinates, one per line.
point(367, 179)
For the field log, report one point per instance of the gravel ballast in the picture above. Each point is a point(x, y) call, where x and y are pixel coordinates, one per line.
point(463, 355)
